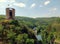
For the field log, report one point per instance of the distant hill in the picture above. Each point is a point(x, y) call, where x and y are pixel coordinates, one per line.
point(34, 20)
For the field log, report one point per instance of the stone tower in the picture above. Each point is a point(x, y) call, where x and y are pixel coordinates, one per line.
point(10, 13)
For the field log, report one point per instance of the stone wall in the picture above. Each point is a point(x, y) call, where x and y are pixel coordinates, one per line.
point(8, 15)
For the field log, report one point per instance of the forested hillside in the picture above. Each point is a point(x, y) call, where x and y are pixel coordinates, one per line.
point(21, 30)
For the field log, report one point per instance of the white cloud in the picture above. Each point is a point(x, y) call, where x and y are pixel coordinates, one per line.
point(2, 5)
point(19, 4)
point(33, 5)
point(11, 1)
point(6, 2)
point(2, 0)
point(53, 10)
point(46, 2)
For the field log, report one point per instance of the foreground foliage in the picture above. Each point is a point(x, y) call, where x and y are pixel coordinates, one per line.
point(21, 31)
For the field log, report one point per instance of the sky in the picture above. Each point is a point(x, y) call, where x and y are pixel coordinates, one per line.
point(32, 8)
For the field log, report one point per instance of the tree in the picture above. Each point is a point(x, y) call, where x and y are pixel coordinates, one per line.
point(30, 41)
point(21, 38)
point(44, 35)
point(11, 36)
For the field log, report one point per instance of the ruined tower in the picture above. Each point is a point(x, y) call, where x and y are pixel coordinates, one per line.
point(10, 13)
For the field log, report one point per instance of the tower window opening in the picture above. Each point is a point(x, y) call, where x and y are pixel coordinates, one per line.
point(10, 13)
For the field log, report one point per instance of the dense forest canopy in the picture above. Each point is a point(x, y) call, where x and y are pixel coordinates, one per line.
point(21, 30)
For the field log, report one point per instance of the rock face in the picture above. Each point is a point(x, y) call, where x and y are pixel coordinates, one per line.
point(10, 13)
